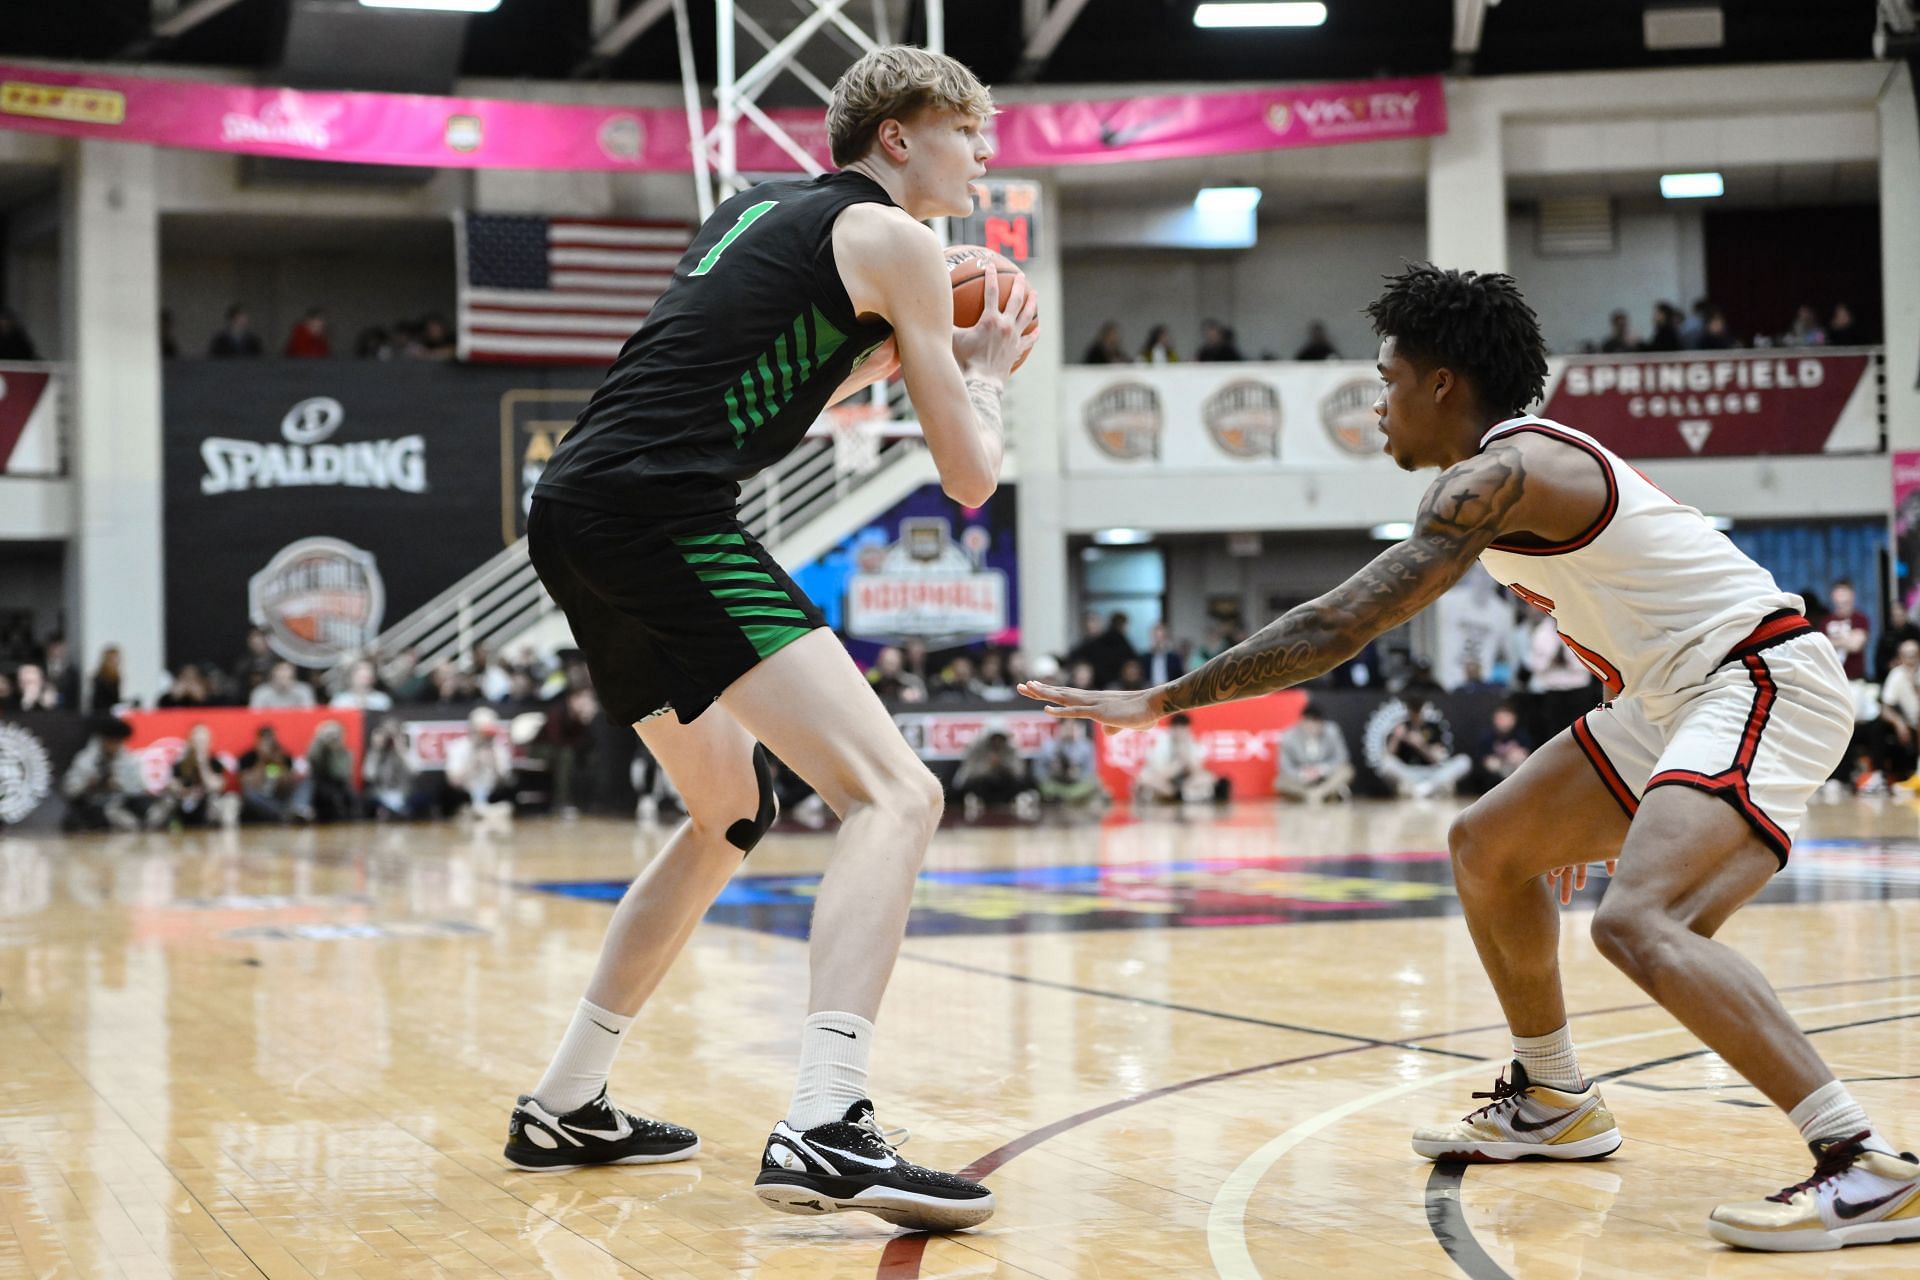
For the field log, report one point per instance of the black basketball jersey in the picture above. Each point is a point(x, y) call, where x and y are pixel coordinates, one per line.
point(734, 363)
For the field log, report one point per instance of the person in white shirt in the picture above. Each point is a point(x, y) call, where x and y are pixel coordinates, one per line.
point(480, 767)
point(361, 693)
point(283, 691)
point(1176, 769)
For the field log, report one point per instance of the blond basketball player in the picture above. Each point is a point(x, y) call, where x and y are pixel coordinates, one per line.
point(793, 295)
point(1724, 712)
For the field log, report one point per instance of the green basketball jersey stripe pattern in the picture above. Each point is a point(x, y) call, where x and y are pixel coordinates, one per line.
point(770, 383)
point(746, 592)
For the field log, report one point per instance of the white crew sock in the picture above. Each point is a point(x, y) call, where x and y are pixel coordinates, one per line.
point(1830, 1112)
point(833, 1069)
point(580, 1065)
point(1549, 1060)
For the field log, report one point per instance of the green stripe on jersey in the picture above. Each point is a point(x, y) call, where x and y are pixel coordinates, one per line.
point(717, 557)
point(751, 593)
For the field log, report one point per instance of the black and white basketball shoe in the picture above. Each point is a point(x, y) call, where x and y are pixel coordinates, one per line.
point(850, 1164)
point(597, 1133)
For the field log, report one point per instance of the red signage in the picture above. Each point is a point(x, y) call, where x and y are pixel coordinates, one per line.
point(1710, 404)
point(1240, 740)
point(161, 736)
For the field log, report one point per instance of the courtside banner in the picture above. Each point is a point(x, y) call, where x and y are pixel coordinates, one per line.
point(161, 736)
point(1240, 740)
point(1282, 415)
point(492, 133)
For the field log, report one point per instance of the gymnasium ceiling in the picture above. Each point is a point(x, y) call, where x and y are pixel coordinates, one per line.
point(1109, 41)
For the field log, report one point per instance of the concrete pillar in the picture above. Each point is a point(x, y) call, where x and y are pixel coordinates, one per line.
point(1466, 185)
point(1036, 414)
point(1900, 255)
point(110, 249)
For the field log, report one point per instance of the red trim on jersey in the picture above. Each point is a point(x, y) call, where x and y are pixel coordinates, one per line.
point(1603, 671)
point(1597, 756)
point(1593, 530)
point(1731, 784)
point(1774, 629)
point(1533, 598)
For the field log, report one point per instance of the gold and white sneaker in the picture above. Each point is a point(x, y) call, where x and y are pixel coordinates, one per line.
point(1855, 1196)
point(1525, 1121)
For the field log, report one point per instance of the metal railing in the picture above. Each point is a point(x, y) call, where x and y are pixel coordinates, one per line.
point(504, 597)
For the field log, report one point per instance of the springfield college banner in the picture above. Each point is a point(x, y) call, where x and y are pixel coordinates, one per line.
point(323, 500)
point(1235, 417)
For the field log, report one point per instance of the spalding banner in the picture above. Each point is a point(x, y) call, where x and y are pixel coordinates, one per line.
point(323, 500)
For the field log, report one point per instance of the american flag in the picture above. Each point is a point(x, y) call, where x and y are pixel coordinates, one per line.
point(560, 290)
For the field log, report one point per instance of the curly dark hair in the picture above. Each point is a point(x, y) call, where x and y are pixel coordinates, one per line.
point(1476, 324)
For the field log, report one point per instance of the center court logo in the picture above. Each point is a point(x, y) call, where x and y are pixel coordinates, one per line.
point(1243, 418)
point(1125, 420)
point(1347, 414)
point(319, 599)
point(26, 774)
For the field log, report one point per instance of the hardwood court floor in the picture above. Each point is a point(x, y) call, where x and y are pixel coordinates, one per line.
point(1179, 1045)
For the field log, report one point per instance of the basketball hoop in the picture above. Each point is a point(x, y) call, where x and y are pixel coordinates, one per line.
point(856, 436)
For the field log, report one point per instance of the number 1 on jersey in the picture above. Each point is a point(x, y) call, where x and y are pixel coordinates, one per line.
point(733, 233)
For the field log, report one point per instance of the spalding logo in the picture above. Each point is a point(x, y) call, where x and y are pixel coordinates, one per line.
point(1243, 418)
point(1125, 420)
point(319, 599)
point(1347, 413)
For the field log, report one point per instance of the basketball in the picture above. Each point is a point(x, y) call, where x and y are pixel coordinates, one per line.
point(967, 269)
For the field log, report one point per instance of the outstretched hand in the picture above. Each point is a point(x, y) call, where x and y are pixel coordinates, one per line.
point(1574, 878)
point(1115, 708)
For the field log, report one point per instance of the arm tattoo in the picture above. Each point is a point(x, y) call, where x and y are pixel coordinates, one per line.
point(1465, 509)
point(986, 406)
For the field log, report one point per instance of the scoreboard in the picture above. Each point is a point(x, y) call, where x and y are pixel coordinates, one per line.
point(1005, 218)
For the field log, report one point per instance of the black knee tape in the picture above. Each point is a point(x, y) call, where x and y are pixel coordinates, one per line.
point(745, 834)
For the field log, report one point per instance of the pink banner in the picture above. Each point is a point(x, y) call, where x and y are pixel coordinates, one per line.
point(484, 133)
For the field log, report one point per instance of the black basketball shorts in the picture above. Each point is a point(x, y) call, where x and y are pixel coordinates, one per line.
point(668, 614)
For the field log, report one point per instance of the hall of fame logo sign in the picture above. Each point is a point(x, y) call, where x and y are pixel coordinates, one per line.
point(26, 774)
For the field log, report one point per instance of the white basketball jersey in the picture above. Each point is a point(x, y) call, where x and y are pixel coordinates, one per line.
point(1650, 597)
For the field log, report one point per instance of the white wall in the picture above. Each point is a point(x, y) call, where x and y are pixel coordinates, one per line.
point(1300, 272)
point(358, 289)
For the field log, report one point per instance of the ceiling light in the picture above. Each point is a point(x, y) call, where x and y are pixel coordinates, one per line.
point(1227, 201)
point(1260, 15)
point(1692, 186)
point(1122, 537)
point(437, 6)
point(1393, 531)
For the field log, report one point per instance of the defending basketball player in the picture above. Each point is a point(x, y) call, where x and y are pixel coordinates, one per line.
point(793, 295)
point(1725, 711)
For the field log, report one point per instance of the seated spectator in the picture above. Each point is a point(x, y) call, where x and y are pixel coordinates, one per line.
point(1666, 329)
point(994, 685)
point(392, 785)
point(480, 769)
point(32, 691)
point(1133, 675)
point(992, 775)
point(1067, 770)
point(1314, 765)
point(1715, 336)
point(435, 341)
point(308, 340)
point(1503, 750)
point(405, 678)
point(1474, 679)
point(1619, 334)
point(1899, 629)
point(1080, 676)
point(1217, 344)
point(1176, 768)
point(1841, 330)
point(255, 663)
point(63, 673)
point(1418, 759)
point(1158, 348)
point(1318, 346)
point(1805, 330)
point(14, 342)
point(958, 683)
point(1694, 327)
point(373, 343)
point(103, 785)
point(199, 791)
point(1847, 628)
point(569, 743)
point(1163, 661)
point(271, 786)
point(362, 692)
point(236, 337)
point(913, 661)
point(283, 691)
point(189, 689)
point(1893, 744)
point(330, 775)
point(1107, 649)
point(451, 684)
point(105, 691)
point(892, 681)
point(1107, 348)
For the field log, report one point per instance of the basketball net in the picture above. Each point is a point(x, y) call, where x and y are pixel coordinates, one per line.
point(856, 436)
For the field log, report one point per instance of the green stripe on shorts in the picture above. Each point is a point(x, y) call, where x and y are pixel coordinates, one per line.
point(711, 540)
point(751, 593)
point(711, 576)
point(769, 640)
point(717, 557)
point(762, 611)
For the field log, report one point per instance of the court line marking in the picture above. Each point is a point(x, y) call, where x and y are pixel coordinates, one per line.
point(1227, 1218)
point(1446, 1215)
point(1197, 1010)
